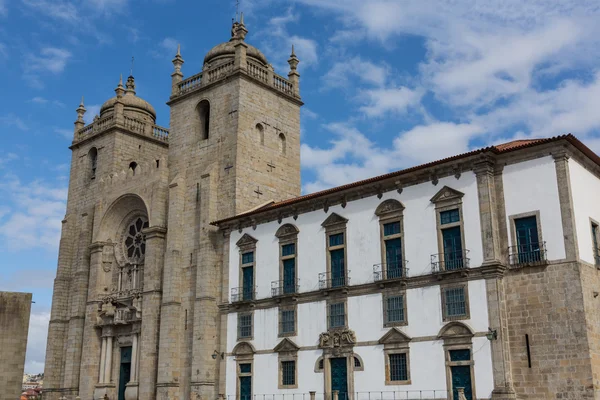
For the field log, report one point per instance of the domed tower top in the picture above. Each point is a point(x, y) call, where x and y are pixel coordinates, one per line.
point(226, 51)
point(133, 106)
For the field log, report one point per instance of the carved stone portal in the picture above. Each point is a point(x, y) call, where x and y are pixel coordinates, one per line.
point(341, 338)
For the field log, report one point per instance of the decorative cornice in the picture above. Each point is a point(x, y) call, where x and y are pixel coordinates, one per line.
point(155, 232)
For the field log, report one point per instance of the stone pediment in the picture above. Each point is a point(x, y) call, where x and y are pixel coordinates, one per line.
point(340, 338)
point(394, 336)
point(243, 348)
point(286, 345)
point(286, 230)
point(334, 219)
point(389, 206)
point(446, 193)
point(246, 241)
point(455, 330)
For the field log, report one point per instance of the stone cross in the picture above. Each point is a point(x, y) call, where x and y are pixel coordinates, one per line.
point(271, 166)
point(258, 192)
point(227, 168)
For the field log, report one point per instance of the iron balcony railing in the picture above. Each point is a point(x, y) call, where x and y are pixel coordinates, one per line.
point(336, 395)
point(530, 253)
point(245, 293)
point(329, 281)
point(390, 271)
point(449, 261)
point(281, 288)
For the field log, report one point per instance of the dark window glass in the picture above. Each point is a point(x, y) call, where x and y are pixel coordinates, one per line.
point(338, 268)
point(245, 325)
point(321, 364)
point(245, 368)
point(287, 321)
point(460, 355)
point(398, 367)
point(450, 216)
point(395, 309)
point(393, 258)
point(337, 315)
point(248, 258)
point(289, 276)
point(595, 243)
point(455, 302)
point(528, 243)
point(453, 253)
point(288, 249)
point(356, 362)
point(288, 372)
point(336, 240)
point(393, 228)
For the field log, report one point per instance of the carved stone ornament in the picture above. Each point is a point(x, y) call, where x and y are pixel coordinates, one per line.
point(286, 346)
point(334, 219)
point(246, 240)
point(447, 193)
point(286, 230)
point(388, 206)
point(342, 338)
point(106, 266)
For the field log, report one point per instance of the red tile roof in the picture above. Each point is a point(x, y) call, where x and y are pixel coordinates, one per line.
point(496, 149)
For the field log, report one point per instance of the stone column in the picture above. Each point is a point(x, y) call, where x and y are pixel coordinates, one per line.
point(561, 162)
point(240, 61)
point(486, 191)
point(131, 390)
point(102, 360)
point(108, 360)
point(153, 266)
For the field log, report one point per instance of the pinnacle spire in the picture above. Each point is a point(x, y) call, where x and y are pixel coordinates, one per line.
point(81, 105)
point(178, 49)
point(293, 52)
point(242, 18)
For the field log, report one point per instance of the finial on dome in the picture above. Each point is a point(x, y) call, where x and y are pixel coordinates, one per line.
point(119, 90)
point(130, 85)
point(238, 29)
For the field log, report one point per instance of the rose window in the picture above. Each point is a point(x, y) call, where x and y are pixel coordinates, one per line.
point(135, 242)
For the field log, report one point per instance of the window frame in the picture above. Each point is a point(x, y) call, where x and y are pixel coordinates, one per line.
point(595, 241)
point(448, 199)
point(288, 357)
point(336, 224)
point(240, 374)
point(390, 211)
point(388, 366)
point(513, 231)
point(239, 328)
point(445, 316)
point(387, 295)
point(247, 244)
point(293, 308)
point(331, 302)
point(288, 234)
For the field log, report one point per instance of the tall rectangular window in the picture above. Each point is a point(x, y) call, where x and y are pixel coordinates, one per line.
point(595, 248)
point(288, 373)
point(528, 243)
point(288, 257)
point(398, 367)
point(337, 315)
point(455, 302)
point(337, 254)
point(248, 275)
point(394, 310)
point(393, 250)
point(287, 321)
point(451, 239)
point(244, 326)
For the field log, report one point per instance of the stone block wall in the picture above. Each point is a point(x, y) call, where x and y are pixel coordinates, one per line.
point(15, 309)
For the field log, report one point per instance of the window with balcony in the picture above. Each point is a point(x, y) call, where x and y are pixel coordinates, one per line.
point(450, 227)
point(392, 261)
point(528, 248)
point(247, 289)
point(288, 250)
point(335, 233)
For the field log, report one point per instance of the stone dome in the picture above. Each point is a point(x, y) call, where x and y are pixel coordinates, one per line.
point(227, 50)
point(132, 104)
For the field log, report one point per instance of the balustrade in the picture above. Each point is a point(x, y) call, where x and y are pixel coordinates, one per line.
point(190, 83)
point(258, 72)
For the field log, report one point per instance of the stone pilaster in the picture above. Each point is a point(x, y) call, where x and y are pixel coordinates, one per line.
point(153, 268)
point(240, 61)
point(486, 191)
point(561, 162)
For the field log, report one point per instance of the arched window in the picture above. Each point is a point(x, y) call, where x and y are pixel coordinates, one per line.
point(282, 144)
point(93, 160)
point(261, 133)
point(203, 113)
point(133, 166)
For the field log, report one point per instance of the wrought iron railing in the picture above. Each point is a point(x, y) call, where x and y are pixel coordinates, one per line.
point(329, 281)
point(245, 293)
point(381, 395)
point(449, 261)
point(281, 288)
point(530, 253)
point(389, 271)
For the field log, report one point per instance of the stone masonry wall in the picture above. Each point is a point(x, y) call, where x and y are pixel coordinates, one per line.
point(14, 326)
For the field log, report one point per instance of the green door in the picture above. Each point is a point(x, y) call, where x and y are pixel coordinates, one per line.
point(453, 257)
point(393, 258)
point(527, 240)
point(339, 377)
point(289, 276)
point(461, 377)
point(124, 371)
point(245, 387)
point(338, 276)
point(248, 284)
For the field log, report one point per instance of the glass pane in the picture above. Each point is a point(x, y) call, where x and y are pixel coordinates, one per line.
point(288, 372)
point(336, 240)
point(460, 355)
point(336, 315)
point(248, 283)
point(356, 362)
point(393, 228)
point(398, 370)
point(393, 258)
point(448, 217)
point(528, 246)
point(453, 254)
point(455, 302)
point(245, 325)
point(289, 276)
point(395, 309)
point(288, 249)
point(245, 368)
point(248, 258)
point(287, 321)
point(338, 275)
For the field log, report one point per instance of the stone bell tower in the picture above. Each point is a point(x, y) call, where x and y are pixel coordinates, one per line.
point(234, 145)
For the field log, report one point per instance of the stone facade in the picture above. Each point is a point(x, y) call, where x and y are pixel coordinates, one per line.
point(14, 327)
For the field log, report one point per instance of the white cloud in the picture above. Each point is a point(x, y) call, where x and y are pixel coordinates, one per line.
point(66, 133)
point(3, 10)
point(347, 72)
point(11, 120)
point(39, 100)
point(5, 159)
point(36, 341)
point(381, 101)
point(56, 9)
point(50, 60)
point(108, 6)
point(166, 48)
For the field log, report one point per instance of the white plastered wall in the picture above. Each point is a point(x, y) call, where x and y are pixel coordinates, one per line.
point(585, 190)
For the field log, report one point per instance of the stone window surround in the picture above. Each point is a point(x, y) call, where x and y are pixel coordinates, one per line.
point(335, 224)
point(451, 203)
point(287, 356)
point(393, 292)
point(287, 234)
point(294, 308)
point(465, 286)
point(240, 361)
point(337, 300)
point(247, 244)
point(356, 369)
point(595, 252)
point(513, 229)
point(401, 349)
point(389, 211)
point(462, 341)
point(245, 338)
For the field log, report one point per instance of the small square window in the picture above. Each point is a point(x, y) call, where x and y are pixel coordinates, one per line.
point(248, 258)
point(288, 373)
point(398, 367)
point(337, 317)
point(393, 228)
point(244, 326)
point(336, 240)
point(288, 324)
point(288, 249)
point(456, 305)
point(245, 368)
point(395, 309)
point(460, 355)
point(450, 216)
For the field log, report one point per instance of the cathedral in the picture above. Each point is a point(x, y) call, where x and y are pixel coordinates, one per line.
point(191, 267)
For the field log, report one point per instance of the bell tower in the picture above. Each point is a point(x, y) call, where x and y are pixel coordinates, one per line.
point(234, 145)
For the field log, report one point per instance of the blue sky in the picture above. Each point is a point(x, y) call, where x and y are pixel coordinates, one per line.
point(387, 84)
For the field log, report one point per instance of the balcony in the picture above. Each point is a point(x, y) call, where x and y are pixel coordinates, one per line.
point(390, 271)
point(449, 261)
point(327, 281)
point(284, 287)
point(528, 254)
point(246, 293)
